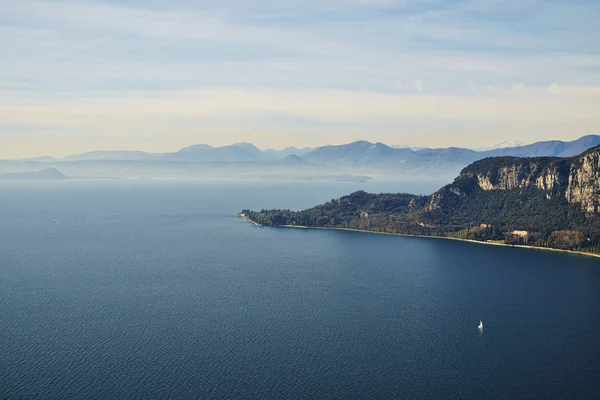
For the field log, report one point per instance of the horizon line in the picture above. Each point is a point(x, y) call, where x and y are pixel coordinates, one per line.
point(394, 146)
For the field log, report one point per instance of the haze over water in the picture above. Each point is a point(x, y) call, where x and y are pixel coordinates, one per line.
point(153, 289)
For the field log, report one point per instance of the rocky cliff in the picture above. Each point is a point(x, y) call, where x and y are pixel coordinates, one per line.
point(576, 179)
point(584, 181)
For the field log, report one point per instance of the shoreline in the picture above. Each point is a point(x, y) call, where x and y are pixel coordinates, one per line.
point(574, 252)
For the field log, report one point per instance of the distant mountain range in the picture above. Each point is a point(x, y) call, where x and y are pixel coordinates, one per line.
point(503, 145)
point(506, 144)
point(360, 152)
point(238, 152)
point(361, 157)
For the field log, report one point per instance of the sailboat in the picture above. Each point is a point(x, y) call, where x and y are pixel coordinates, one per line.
point(480, 326)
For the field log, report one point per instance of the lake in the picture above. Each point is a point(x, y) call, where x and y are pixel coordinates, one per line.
point(153, 289)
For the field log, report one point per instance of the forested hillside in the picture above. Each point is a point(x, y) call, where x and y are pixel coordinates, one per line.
point(544, 201)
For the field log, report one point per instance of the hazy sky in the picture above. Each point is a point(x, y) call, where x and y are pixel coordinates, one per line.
point(157, 75)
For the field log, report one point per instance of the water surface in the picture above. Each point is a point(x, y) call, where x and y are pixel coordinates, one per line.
point(153, 289)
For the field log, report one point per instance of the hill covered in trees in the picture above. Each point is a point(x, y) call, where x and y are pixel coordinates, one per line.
point(542, 201)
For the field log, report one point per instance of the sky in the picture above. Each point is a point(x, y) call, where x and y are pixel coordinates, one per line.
point(158, 75)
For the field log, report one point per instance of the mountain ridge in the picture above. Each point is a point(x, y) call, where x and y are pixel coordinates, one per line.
point(43, 175)
point(360, 158)
point(359, 149)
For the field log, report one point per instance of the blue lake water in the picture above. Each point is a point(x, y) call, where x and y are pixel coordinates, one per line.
point(152, 289)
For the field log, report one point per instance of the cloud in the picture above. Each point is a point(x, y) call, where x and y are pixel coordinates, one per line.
point(109, 69)
point(91, 45)
point(419, 84)
point(378, 2)
point(574, 90)
point(338, 106)
point(177, 25)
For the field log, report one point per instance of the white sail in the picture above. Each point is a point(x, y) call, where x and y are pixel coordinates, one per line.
point(480, 326)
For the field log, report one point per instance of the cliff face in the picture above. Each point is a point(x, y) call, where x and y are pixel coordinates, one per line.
point(584, 181)
point(575, 179)
point(516, 176)
point(552, 181)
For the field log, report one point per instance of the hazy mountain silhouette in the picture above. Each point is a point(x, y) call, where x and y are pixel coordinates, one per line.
point(245, 159)
point(554, 148)
point(45, 175)
point(233, 153)
point(293, 159)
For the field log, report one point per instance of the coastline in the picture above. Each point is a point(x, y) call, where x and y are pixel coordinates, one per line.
point(249, 220)
point(581, 253)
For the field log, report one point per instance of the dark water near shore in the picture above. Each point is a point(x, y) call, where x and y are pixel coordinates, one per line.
point(154, 290)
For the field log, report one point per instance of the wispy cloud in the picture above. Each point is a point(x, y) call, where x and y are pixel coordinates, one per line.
point(419, 84)
point(243, 112)
point(367, 67)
